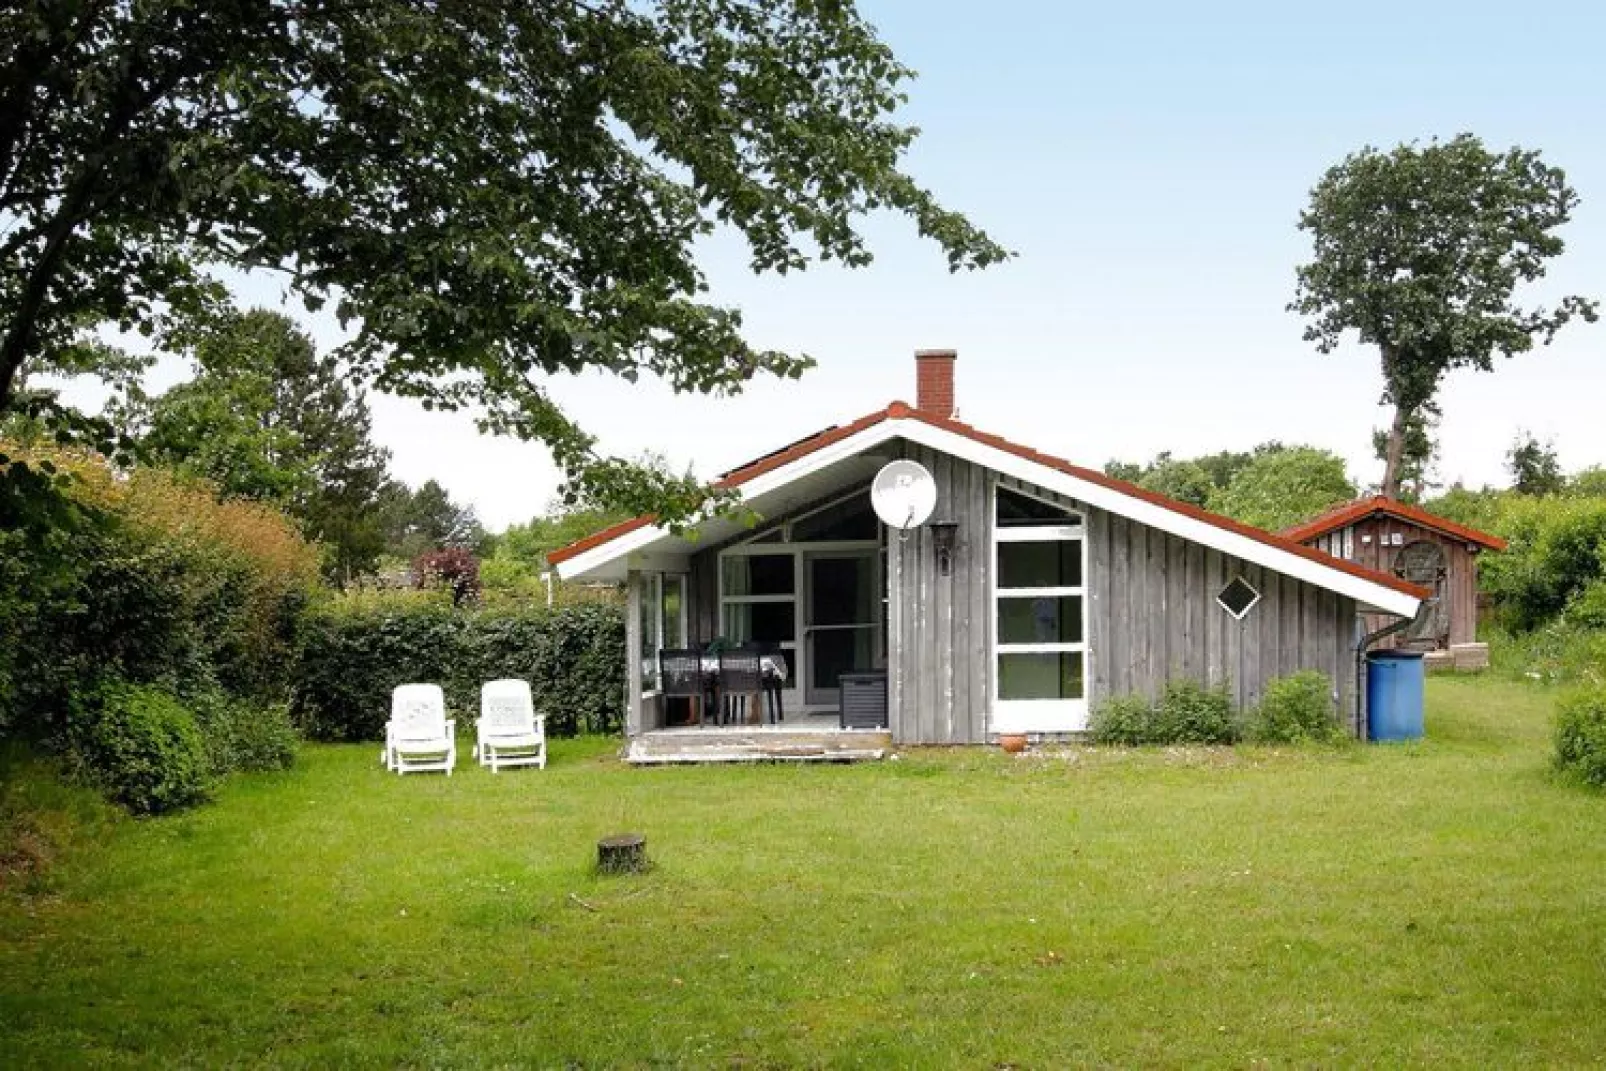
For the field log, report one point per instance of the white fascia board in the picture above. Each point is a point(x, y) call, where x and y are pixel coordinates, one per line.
point(1370, 595)
point(593, 563)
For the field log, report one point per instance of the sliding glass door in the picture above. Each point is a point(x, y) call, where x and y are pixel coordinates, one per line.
point(841, 597)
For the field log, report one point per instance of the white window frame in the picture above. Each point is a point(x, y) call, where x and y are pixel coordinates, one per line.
point(1254, 602)
point(1037, 715)
point(652, 594)
point(795, 690)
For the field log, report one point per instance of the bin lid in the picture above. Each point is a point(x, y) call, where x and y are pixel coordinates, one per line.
point(1395, 655)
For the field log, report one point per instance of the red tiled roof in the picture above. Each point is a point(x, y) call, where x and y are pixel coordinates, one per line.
point(902, 411)
point(1346, 515)
point(735, 477)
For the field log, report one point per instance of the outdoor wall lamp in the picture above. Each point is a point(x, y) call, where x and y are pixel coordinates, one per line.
point(942, 538)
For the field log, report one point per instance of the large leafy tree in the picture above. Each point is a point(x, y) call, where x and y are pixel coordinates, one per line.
point(492, 192)
point(427, 519)
point(268, 417)
point(1192, 480)
point(1284, 485)
point(1419, 251)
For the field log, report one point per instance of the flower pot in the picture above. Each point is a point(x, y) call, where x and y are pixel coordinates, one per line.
point(1013, 743)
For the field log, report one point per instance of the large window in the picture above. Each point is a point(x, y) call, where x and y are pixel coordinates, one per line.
point(1041, 624)
point(663, 621)
point(809, 589)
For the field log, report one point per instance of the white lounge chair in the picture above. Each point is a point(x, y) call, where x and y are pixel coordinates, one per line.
point(419, 735)
point(508, 731)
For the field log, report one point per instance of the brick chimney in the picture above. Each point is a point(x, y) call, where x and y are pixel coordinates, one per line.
point(934, 382)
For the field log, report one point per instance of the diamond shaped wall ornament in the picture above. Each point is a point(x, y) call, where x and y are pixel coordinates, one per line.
point(1238, 597)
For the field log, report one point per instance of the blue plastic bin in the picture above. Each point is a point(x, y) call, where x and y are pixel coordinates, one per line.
point(1394, 695)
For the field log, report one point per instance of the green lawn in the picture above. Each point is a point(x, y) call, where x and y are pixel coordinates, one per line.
point(1440, 903)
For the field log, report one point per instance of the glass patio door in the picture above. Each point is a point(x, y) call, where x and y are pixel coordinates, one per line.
point(840, 600)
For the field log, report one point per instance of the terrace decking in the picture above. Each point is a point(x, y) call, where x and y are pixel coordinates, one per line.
point(757, 743)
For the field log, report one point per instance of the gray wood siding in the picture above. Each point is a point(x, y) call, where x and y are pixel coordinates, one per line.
point(939, 628)
point(1153, 615)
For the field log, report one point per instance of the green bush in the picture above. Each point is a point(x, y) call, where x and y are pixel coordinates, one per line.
point(1193, 714)
point(1556, 554)
point(1295, 708)
point(1581, 735)
point(146, 579)
point(242, 737)
point(1123, 720)
point(143, 748)
point(357, 650)
point(1187, 713)
point(1557, 653)
point(1587, 607)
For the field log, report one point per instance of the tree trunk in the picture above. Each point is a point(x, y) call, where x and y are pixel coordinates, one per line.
point(1396, 452)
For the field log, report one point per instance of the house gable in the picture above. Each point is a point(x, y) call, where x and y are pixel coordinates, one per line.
point(1354, 512)
point(1375, 591)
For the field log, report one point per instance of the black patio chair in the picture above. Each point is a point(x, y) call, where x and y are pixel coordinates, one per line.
point(772, 683)
point(680, 675)
point(741, 681)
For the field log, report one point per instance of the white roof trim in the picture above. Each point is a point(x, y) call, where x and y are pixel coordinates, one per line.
point(1371, 595)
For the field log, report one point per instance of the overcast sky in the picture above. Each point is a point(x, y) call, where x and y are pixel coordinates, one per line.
point(1147, 161)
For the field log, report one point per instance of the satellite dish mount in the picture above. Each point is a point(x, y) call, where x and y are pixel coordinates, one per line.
point(903, 494)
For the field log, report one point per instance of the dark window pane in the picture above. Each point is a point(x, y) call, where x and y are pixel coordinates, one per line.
point(835, 651)
point(759, 574)
point(849, 519)
point(760, 622)
point(674, 590)
point(1040, 676)
point(1021, 511)
point(1054, 564)
point(649, 616)
point(1043, 620)
point(841, 590)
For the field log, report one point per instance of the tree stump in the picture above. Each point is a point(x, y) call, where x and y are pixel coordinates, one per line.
point(625, 853)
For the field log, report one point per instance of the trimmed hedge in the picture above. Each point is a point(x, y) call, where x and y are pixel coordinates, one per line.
point(356, 650)
point(1581, 735)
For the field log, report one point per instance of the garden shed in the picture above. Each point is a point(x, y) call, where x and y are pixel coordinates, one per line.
point(1413, 545)
point(1038, 588)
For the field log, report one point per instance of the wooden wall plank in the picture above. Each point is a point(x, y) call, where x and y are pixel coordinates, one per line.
point(1120, 621)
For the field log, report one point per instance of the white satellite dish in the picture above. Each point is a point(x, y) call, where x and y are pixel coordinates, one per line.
point(903, 495)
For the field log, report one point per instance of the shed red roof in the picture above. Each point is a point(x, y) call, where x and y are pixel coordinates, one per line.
point(1346, 515)
point(903, 411)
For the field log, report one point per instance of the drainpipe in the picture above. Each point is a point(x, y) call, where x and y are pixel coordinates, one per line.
point(547, 578)
point(1361, 648)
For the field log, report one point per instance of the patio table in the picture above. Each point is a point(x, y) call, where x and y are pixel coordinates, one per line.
point(773, 666)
